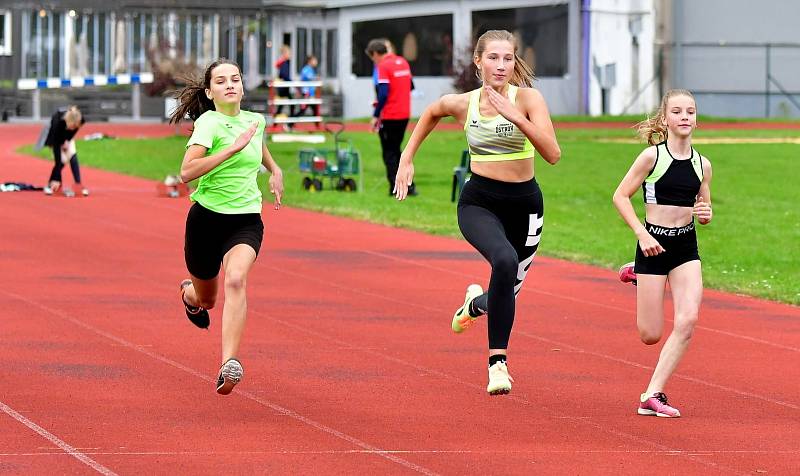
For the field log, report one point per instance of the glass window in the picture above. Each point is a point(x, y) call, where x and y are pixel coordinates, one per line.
point(541, 33)
point(425, 42)
point(316, 46)
point(331, 48)
point(302, 49)
point(5, 32)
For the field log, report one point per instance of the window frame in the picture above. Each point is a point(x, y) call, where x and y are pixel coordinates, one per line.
point(5, 42)
point(417, 71)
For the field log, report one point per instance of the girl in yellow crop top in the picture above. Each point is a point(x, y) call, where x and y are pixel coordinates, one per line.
point(500, 211)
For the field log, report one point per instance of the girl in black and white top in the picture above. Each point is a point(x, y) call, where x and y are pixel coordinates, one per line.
point(676, 182)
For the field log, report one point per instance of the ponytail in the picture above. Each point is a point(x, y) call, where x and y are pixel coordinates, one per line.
point(654, 128)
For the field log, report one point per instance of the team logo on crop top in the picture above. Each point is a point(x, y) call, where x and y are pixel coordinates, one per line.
point(504, 130)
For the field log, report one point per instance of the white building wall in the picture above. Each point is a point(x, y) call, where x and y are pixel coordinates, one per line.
point(614, 23)
point(562, 94)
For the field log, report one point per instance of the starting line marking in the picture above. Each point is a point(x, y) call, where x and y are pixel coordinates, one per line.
point(57, 441)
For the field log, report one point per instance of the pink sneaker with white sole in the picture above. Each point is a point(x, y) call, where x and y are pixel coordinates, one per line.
point(656, 405)
point(626, 273)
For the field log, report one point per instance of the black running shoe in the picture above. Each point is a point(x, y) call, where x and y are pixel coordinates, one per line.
point(197, 315)
point(229, 375)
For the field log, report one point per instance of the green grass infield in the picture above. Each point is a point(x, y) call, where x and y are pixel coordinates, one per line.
point(751, 247)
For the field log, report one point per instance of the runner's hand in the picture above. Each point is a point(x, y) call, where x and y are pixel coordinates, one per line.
point(244, 139)
point(650, 246)
point(276, 188)
point(504, 106)
point(702, 210)
point(403, 179)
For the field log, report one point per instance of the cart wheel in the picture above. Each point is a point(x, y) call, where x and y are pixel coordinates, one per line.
point(316, 185)
point(350, 185)
point(306, 183)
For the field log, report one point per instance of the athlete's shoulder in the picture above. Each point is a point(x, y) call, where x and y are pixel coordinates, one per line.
point(651, 151)
point(209, 115)
point(453, 104)
point(706, 164)
point(456, 98)
point(703, 159)
point(525, 92)
point(530, 97)
point(649, 154)
point(207, 120)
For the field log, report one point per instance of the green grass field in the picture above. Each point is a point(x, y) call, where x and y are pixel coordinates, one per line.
point(751, 247)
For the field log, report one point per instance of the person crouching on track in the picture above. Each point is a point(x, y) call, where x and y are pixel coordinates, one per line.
point(64, 124)
point(224, 224)
point(500, 211)
point(676, 183)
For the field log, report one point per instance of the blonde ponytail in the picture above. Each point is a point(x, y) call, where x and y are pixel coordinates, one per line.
point(654, 128)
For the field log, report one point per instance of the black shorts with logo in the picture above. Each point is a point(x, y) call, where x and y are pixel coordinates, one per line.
point(680, 245)
point(209, 235)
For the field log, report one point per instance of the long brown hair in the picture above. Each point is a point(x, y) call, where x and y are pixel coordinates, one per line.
point(523, 74)
point(654, 128)
point(192, 99)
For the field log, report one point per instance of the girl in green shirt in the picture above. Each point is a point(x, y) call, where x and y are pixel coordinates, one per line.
point(223, 227)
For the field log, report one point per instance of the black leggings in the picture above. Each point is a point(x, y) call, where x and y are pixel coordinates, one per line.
point(503, 221)
point(55, 174)
point(391, 134)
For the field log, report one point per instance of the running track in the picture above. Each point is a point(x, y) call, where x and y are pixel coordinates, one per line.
point(350, 366)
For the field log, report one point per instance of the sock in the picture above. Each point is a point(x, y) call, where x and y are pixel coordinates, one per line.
point(476, 309)
point(493, 359)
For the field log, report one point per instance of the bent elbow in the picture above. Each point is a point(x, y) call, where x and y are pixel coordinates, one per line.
point(618, 199)
point(554, 156)
point(185, 177)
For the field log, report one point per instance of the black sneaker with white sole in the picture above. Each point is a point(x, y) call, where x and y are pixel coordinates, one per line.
point(197, 315)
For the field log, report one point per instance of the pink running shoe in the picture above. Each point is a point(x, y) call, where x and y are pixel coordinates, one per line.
point(657, 405)
point(626, 273)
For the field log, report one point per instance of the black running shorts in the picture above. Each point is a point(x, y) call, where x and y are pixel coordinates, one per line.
point(209, 235)
point(680, 244)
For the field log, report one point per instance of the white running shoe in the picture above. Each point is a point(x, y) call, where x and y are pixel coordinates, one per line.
point(499, 380)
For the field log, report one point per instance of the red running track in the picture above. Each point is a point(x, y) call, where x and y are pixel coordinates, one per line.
point(350, 363)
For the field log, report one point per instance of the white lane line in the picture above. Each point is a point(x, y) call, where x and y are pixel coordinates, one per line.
point(528, 289)
point(676, 375)
point(554, 412)
point(295, 238)
point(543, 339)
point(56, 441)
point(285, 411)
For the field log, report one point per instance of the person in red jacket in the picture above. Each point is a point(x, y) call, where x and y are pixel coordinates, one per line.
point(393, 106)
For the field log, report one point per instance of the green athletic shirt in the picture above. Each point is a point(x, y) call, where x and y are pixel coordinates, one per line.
point(231, 186)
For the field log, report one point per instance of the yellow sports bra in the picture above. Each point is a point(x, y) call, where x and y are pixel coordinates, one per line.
point(495, 138)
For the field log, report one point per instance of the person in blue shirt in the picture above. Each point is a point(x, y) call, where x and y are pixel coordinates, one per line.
point(309, 73)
